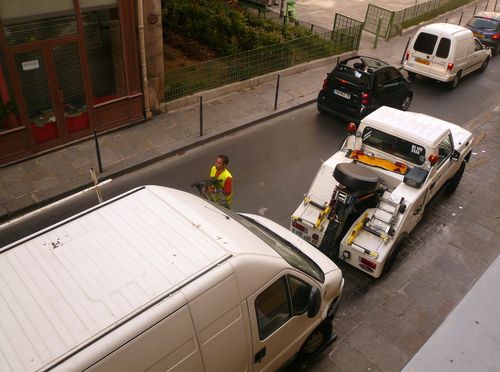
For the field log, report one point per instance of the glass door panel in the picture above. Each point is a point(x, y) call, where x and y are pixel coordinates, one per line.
point(35, 87)
point(71, 89)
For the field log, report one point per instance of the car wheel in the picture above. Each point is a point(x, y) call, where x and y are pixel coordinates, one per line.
point(405, 104)
point(392, 256)
point(315, 340)
point(454, 83)
point(484, 65)
point(496, 50)
point(320, 109)
point(411, 75)
point(454, 181)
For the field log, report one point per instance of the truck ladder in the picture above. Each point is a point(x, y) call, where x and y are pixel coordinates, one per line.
point(384, 217)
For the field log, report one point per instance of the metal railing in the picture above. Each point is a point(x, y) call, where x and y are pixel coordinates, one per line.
point(211, 74)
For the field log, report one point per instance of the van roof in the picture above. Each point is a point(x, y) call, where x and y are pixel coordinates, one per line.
point(65, 286)
point(444, 28)
point(418, 128)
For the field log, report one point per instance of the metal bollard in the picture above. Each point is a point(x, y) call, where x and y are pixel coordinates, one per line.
point(475, 8)
point(460, 20)
point(486, 7)
point(277, 91)
point(96, 184)
point(201, 116)
point(379, 23)
point(98, 152)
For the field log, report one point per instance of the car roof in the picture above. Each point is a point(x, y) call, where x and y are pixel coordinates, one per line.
point(489, 15)
point(372, 63)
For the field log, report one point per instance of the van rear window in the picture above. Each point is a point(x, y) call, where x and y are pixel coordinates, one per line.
point(425, 43)
point(443, 48)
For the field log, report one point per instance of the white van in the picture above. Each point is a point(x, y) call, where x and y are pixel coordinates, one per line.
point(159, 279)
point(445, 52)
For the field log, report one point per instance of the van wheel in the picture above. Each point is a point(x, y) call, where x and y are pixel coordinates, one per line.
point(454, 181)
point(405, 104)
point(484, 65)
point(316, 339)
point(454, 83)
point(411, 75)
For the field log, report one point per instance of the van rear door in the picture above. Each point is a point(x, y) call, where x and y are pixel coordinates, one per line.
point(441, 57)
point(423, 50)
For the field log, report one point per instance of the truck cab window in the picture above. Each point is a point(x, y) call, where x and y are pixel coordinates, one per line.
point(272, 308)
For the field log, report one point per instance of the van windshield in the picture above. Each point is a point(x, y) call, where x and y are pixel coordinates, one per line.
point(289, 252)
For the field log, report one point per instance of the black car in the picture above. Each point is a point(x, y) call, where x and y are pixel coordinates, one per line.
point(359, 85)
point(486, 27)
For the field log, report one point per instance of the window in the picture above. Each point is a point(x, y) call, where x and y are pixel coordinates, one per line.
point(103, 42)
point(276, 304)
point(443, 48)
point(445, 149)
point(425, 43)
point(393, 145)
point(272, 308)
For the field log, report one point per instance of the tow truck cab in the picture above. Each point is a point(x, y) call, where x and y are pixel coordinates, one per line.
point(369, 196)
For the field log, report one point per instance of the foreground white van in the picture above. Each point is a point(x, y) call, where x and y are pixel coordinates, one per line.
point(159, 279)
point(445, 52)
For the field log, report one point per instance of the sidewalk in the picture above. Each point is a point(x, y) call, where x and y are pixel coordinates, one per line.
point(33, 183)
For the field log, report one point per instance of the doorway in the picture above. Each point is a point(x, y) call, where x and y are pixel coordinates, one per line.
point(54, 93)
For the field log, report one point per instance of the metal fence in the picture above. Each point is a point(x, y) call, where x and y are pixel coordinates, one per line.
point(388, 23)
point(378, 20)
point(242, 66)
point(422, 12)
point(346, 32)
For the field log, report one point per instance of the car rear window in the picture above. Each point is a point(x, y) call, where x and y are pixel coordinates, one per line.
point(361, 78)
point(484, 24)
point(425, 43)
point(443, 48)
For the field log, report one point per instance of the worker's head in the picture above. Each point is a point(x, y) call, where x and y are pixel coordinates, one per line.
point(221, 162)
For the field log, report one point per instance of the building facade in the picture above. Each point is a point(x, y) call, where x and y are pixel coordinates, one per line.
point(69, 68)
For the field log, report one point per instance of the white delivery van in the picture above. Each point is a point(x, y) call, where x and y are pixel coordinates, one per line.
point(445, 52)
point(159, 279)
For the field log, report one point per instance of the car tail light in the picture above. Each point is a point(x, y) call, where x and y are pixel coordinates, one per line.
point(365, 98)
point(407, 56)
point(298, 226)
point(325, 83)
point(367, 264)
point(449, 67)
point(495, 36)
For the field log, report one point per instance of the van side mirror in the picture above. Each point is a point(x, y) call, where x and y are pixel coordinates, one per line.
point(455, 155)
point(314, 303)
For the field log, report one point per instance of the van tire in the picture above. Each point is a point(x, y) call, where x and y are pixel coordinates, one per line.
point(452, 184)
point(484, 65)
point(411, 75)
point(315, 340)
point(454, 83)
point(406, 102)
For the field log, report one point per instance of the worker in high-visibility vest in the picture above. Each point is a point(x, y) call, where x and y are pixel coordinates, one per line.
point(223, 188)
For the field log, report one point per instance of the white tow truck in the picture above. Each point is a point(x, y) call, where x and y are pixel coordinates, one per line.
point(369, 196)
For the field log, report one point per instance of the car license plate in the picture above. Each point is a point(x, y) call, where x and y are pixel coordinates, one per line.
point(342, 94)
point(423, 61)
point(478, 35)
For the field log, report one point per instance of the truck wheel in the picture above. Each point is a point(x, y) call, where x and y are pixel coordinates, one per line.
point(392, 256)
point(356, 177)
point(454, 181)
point(454, 83)
point(484, 65)
point(315, 340)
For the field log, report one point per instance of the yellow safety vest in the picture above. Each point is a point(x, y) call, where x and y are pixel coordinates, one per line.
point(222, 180)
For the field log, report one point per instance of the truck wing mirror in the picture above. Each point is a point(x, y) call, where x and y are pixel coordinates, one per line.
point(314, 303)
point(455, 156)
